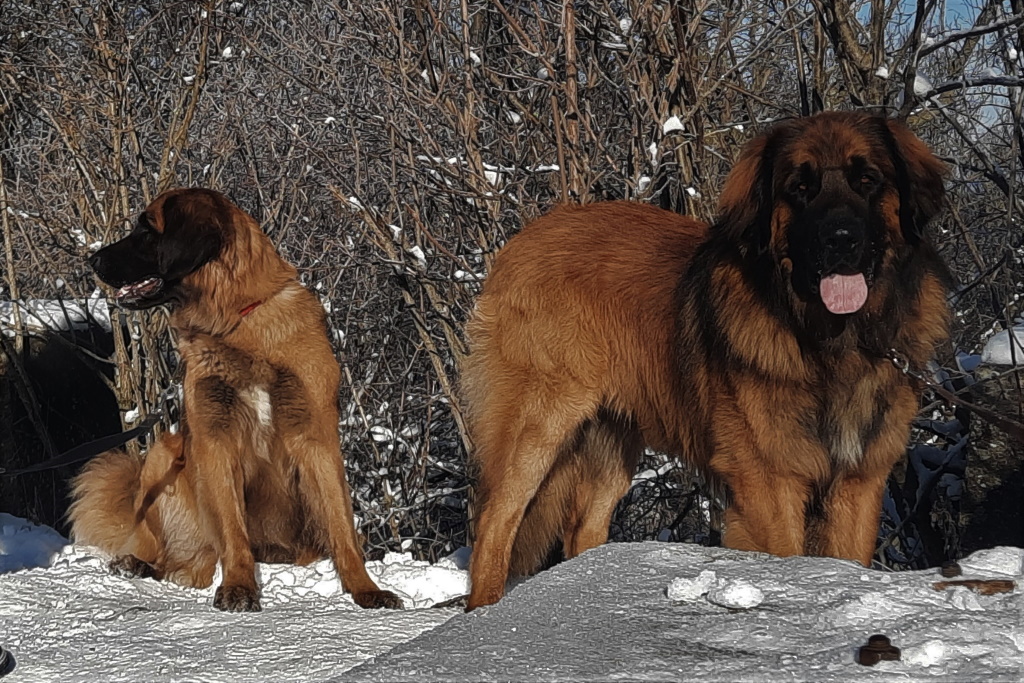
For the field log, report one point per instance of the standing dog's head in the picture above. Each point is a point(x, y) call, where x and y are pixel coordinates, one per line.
point(827, 197)
point(179, 233)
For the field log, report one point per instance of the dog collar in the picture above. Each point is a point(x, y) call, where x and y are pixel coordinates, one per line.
point(249, 309)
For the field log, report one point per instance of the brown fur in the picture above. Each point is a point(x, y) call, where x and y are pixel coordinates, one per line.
point(606, 327)
point(257, 473)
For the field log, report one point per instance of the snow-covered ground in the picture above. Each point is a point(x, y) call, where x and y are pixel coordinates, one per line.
point(650, 611)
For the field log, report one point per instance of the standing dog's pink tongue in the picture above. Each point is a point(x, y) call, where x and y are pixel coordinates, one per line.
point(844, 293)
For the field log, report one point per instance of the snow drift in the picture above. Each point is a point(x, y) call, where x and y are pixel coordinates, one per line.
point(649, 611)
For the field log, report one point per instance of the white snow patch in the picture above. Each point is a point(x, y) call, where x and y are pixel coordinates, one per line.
point(997, 350)
point(672, 123)
point(928, 653)
point(643, 183)
point(418, 583)
point(922, 86)
point(882, 72)
point(24, 545)
point(1002, 560)
point(226, 52)
point(56, 314)
point(417, 253)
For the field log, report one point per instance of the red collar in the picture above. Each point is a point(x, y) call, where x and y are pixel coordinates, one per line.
point(249, 309)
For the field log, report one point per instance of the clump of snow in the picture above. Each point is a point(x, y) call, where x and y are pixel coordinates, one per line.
point(997, 350)
point(928, 653)
point(724, 592)
point(417, 253)
point(738, 594)
point(683, 589)
point(671, 124)
point(922, 86)
point(882, 72)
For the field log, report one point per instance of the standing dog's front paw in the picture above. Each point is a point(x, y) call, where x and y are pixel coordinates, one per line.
point(131, 567)
point(237, 599)
point(377, 599)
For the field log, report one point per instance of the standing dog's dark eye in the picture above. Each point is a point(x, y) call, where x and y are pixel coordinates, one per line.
point(868, 181)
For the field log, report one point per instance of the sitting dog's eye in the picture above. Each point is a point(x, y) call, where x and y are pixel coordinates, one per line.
point(867, 180)
point(802, 187)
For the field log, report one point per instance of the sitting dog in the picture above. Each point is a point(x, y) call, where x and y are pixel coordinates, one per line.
point(256, 473)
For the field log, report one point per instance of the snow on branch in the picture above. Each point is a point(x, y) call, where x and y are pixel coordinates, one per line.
point(955, 36)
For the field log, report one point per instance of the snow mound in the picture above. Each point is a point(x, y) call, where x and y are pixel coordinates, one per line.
point(604, 616)
point(66, 618)
point(24, 545)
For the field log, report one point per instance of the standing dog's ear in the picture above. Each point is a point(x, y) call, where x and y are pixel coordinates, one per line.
point(747, 202)
point(193, 226)
point(918, 178)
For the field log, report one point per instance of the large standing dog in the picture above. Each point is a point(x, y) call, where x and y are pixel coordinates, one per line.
point(257, 472)
point(756, 348)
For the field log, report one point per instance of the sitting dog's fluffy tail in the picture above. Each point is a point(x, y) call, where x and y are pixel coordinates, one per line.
point(102, 513)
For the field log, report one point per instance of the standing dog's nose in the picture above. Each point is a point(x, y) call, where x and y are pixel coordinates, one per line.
point(841, 241)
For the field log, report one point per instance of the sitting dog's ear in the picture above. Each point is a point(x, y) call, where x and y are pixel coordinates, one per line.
point(918, 178)
point(193, 228)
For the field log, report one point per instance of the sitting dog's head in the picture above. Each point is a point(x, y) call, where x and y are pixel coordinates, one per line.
point(179, 232)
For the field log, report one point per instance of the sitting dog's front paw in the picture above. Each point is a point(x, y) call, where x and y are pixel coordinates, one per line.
point(132, 567)
point(237, 599)
point(377, 600)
